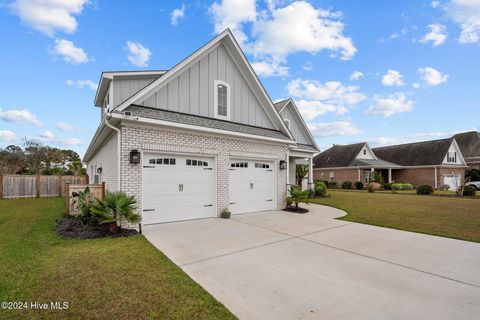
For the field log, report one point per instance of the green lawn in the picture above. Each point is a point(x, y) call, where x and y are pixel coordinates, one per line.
point(457, 218)
point(123, 278)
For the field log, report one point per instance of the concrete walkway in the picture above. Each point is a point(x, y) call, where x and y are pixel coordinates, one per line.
point(279, 265)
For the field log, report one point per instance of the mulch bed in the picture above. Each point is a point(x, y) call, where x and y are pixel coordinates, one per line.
point(293, 209)
point(68, 227)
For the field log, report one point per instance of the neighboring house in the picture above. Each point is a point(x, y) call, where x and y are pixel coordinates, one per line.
point(469, 143)
point(198, 138)
point(436, 163)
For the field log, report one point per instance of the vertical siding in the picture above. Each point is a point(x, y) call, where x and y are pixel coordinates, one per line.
point(192, 91)
point(125, 88)
point(107, 158)
point(295, 127)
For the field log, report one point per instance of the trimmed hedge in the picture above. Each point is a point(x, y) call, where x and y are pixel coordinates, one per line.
point(359, 185)
point(469, 191)
point(347, 185)
point(425, 189)
point(320, 189)
point(332, 185)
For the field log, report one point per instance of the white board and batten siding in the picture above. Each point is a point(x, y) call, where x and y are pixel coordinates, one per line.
point(192, 91)
point(177, 187)
point(251, 186)
point(124, 88)
point(296, 128)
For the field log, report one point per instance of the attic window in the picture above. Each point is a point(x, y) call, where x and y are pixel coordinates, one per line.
point(452, 157)
point(365, 151)
point(222, 100)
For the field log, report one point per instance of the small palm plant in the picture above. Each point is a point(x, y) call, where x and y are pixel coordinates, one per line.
point(115, 207)
point(298, 196)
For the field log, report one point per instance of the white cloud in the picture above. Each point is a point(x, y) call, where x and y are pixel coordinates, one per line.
point(340, 128)
point(465, 13)
point(316, 98)
point(390, 105)
point(233, 14)
point(177, 14)
point(49, 16)
point(393, 78)
point(7, 135)
point(416, 85)
point(435, 4)
point(301, 27)
point(307, 66)
point(72, 142)
point(138, 54)
point(47, 135)
point(63, 126)
point(356, 75)
point(275, 32)
point(270, 68)
point(437, 34)
point(69, 53)
point(432, 76)
point(80, 84)
point(19, 116)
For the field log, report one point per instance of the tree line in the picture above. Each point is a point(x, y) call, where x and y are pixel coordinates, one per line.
point(37, 158)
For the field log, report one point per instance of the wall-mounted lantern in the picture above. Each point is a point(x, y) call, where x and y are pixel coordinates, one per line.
point(135, 157)
point(99, 170)
point(283, 165)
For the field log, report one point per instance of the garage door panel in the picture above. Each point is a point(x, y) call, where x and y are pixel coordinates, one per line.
point(177, 192)
point(251, 188)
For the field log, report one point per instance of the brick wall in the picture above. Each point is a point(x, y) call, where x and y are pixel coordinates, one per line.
point(148, 138)
point(441, 172)
point(340, 175)
point(106, 157)
point(421, 176)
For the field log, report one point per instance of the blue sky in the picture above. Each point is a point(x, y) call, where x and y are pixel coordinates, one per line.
point(379, 71)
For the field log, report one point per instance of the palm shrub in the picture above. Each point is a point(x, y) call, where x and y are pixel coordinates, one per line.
point(320, 189)
point(301, 172)
point(115, 207)
point(298, 196)
point(359, 185)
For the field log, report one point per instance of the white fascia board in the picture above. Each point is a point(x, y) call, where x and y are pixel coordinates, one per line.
point(94, 141)
point(135, 119)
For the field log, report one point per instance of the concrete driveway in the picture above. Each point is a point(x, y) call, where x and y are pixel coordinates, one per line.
point(279, 265)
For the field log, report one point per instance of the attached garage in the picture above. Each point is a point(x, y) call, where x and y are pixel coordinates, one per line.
point(452, 180)
point(177, 187)
point(251, 185)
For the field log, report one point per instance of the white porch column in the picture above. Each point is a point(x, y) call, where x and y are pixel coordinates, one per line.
point(310, 172)
point(389, 175)
point(288, 171)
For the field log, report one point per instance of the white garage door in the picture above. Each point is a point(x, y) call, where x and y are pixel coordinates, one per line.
point(177, 187)
point(252, 186)
point(453, 180)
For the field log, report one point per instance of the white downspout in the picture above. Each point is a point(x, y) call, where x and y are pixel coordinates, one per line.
point(436, 182)
point(119, 151)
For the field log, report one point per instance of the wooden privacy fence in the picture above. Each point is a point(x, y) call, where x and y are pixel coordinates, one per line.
point(31, 186)
point(96, 191)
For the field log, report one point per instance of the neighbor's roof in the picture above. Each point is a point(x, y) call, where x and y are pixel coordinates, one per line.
point(469, 143)
point(177, 117)
point(338, 156)
point(375, 163)
point(415, 154)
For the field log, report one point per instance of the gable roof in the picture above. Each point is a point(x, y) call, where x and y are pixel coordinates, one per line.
point(206, 122)
point(289, 103)
point(338, 156)
point(232, 46)
point(416, 154)
point(469, 143)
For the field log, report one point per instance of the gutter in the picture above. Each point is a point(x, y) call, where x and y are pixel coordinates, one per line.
point(119, 146)
point(436, 182)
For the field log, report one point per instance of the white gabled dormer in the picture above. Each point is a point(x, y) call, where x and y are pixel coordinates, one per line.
point(454, 155)
point(366, 153)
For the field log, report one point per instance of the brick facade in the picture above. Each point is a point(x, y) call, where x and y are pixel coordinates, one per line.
point(339, 175)
point(147, 139)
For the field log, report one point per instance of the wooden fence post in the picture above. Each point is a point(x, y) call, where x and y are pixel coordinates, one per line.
point(67, 192)
point(103, 190)
point(1, 186)
point(37, 185)
point(87, 179)
point(59, 187)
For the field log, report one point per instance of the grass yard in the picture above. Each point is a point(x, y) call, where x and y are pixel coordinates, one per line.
point(122, 278)
point(442, 216)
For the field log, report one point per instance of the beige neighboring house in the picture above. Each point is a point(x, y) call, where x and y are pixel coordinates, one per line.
point(200, 137)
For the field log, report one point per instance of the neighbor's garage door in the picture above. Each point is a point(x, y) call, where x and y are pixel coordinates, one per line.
point(453, 180)
point(177, 187)
point(252, 186)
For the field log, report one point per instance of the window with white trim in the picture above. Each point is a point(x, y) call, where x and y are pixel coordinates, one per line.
point(452, 157)
point(222, 100)
point(332, 175)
